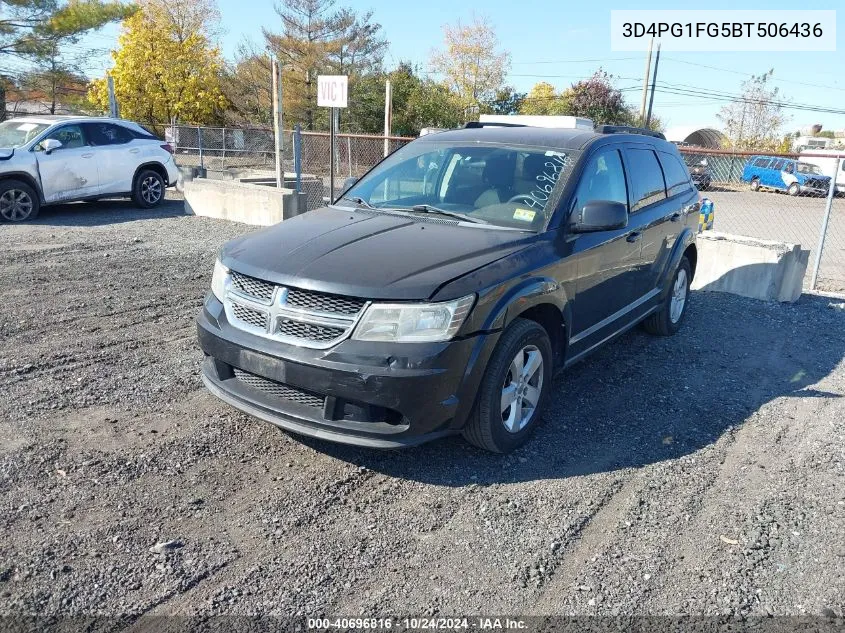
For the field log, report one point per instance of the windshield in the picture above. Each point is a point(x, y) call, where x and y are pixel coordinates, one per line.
point(807, 168)
point(16, 133)
point(496, 185)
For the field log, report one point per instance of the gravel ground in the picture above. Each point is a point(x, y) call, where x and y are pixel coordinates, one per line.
point(700, 474)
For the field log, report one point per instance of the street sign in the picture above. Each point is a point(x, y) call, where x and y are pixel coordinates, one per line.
point(332, 91)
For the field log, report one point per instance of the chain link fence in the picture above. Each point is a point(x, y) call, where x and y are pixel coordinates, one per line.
point(782, 198)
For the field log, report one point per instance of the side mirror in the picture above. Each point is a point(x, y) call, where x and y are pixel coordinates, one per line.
point(703, 162)
point(600, 215)
point(349, 182)
point(50, 144)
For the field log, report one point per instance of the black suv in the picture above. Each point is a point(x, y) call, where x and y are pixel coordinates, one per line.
point(442, 290)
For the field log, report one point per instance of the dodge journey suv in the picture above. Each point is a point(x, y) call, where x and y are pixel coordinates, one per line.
point(440, 293)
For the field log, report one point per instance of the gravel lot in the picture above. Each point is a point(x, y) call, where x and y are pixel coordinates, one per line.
point(701, 474)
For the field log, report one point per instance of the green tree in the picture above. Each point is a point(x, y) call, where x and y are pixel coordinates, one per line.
point(166, 66)
point(37, 31)
point(471, 62)
point(248, 87)
point(506, 101)
point(318, 38)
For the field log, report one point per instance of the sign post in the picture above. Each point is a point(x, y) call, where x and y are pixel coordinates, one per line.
point(332, 93)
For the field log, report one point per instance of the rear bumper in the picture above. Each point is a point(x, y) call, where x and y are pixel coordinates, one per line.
point(172, 172)
point(383, 395)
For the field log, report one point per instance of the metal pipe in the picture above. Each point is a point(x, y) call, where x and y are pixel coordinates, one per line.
point(825, 222)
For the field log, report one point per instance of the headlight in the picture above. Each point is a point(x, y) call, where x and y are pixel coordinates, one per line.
point(413, 322)
point(220, 280)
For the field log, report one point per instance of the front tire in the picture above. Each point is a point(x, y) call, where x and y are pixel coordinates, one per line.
point(793, 189)
point(755, 184)
point(667, 320)
point(18, 201)
point(513, 390)
point(148, 191)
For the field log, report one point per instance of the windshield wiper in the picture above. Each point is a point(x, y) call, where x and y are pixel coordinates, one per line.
point(359, 201)
point(427, 208)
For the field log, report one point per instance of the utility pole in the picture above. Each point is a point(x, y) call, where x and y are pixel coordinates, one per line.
point(277, 119)
point(645, 81)
point(653, 82)
point(114, 111)
point(388, 115)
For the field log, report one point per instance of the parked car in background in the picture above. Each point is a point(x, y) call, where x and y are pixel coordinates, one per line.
point(441, 291)
point(53, 159)
point(699, 169)
point(825, 160)
point(785, 174)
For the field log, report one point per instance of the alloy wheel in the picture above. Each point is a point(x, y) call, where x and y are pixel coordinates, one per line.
point(522, 388)
point(679, 296)
point(15, 205)
point(151, 189)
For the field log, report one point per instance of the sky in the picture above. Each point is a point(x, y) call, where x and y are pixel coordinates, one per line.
point(562, 42)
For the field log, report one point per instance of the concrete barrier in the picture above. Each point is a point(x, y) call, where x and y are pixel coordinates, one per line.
point(749, 267)
point(242, 202)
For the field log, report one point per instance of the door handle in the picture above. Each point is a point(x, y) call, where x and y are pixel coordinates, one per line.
point(134, 151)
point(634, 237)
point(88, 155)
point(675, 217)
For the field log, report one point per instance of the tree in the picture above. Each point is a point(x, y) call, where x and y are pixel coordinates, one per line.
point(596, 98)
point(317, 38)
point(37, 30)
point(543, 99)
point(506, 101)
point(471, 62)
point(248, 86)
point(166, 66)
point(755, 120)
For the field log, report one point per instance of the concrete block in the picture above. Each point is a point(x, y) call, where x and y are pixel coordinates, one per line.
point(242, 202)
point(749, 267)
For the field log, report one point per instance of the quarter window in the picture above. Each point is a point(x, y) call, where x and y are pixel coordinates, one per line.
point(761, 162)
point(677, 176)
point(602, 179)
point(646, 178)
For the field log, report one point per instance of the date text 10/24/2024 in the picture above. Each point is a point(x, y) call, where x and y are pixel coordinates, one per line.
point(418, 624)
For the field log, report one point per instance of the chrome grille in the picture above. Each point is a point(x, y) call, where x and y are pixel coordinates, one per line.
point(280, 390)
point(310, 331)
point(320, 302)
point(261, 290)
point(291, 315)
point(255, 318)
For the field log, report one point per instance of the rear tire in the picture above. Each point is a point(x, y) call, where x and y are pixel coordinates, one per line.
point(18, 201)
point(793, 189)
point(148, 191)
point(755, 184)
point(519, 371)
point(668, 319)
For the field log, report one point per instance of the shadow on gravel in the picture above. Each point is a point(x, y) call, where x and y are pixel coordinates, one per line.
point(642, 400)
point(105, 212)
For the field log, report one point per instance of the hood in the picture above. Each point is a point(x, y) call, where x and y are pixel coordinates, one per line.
point(370, 255)
point(6, 153)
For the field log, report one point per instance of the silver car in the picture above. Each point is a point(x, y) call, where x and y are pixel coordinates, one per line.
point(55, 159)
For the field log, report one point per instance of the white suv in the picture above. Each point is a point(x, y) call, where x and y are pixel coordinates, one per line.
point(52, 159)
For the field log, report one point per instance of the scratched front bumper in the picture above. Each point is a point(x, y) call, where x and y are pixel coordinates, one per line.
point(420, 391)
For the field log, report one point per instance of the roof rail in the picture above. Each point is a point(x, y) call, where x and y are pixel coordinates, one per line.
point(478, 124)
point(628, 129)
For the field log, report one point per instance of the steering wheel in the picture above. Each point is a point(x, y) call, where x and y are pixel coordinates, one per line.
point(523, 196)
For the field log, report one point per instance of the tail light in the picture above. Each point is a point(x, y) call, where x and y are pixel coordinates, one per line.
point(167, 147)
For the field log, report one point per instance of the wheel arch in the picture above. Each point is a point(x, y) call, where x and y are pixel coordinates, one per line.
point(154, 166)
point(26, 178)
point(683, 245)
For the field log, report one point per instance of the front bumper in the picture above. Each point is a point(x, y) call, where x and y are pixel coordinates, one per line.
point(384, 395)
point(816, 191)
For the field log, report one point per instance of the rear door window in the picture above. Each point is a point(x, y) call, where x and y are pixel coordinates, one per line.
point(646, 178)
point(107, 134)
point(676, 174)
